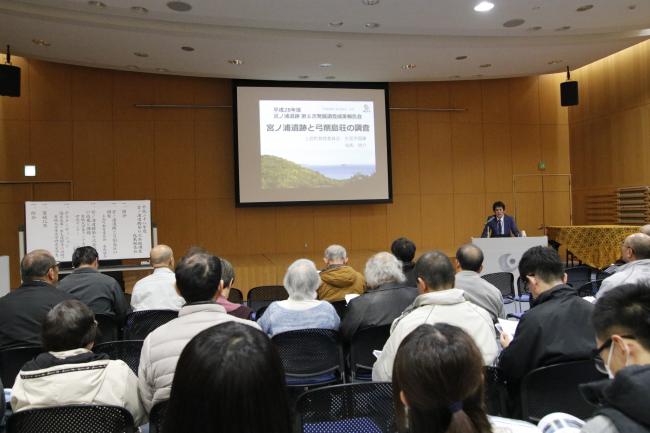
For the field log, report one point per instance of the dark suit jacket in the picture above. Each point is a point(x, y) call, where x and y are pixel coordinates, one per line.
point(509, 227)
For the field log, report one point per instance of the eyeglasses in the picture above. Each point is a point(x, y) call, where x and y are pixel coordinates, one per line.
point(55, 266)
point(595, 354)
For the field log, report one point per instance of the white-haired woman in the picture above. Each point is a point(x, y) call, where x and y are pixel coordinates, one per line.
point(385, 299)
point(302, 310)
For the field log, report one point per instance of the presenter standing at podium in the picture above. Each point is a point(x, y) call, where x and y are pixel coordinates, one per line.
point(500, 225)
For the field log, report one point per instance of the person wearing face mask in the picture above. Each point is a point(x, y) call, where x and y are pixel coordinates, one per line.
point(621, 319)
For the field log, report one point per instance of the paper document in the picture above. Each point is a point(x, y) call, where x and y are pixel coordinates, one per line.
point(507, 326)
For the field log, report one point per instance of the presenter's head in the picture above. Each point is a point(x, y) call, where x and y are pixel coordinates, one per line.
point(229, 378)
point(335, 255)
point(542, 268)
point(635, 247)
point(162, 256)
point(499, 209)
point(39, 265)
point(434, 272)
point(198, 277)
point(85, 257)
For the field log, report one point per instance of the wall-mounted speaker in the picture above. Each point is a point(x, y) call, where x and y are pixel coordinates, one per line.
point(9, 80)
point(569, 93)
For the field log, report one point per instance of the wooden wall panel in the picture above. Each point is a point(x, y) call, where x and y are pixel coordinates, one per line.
point(403, 218)
point(174, 159)
point(294, 229)
point(331, 226)
point(176, 221)
point(14, 148)
point(215, 219)
point(437, 235)
point(523, 100)
point(50, 91)
point(93, 160)
point(92, 94)
point(52, 192)
point(495, 96)
point(404, 142)
point(468, 217)
point(497, 155)
point(134, 160)
point(215, 167)
point(368, 227)
point(256, 230)
point(468, 165)
point(435, 155)
point(51, 149)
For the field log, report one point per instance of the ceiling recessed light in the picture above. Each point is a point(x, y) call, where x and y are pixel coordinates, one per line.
point(584, 8)
point(631, 7)
point(485, 65)
point(408, 66)
point(140, 54)
point(555, 62)
point(179, 6)
point(330, 77)
point(516, 22)
point(325, 65)
point(461, 57)
point(97, 4)
point(454, 76)
point(534, 28)
point(236, 61)
point(484, 6)
point(187, 48)
point(133, 67)
point(303, 77)
point(336, 23)
point(478, 75)
point(372, 25)
point(339, 45)
point(162, 69)
point(563, 28)
point(536, 8)
point(41, 42)
point(369, 2)
point(139, 9)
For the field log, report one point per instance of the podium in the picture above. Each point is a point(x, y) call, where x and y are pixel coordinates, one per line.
point(503, 254)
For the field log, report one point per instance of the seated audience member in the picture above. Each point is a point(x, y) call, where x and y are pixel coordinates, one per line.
point(621, 319)
point(438, 382)
point(228, 278)
point(635, 252)
point(69, 373)
point(555, 329)
point(469, 262)
point(338, 279)
point(645, 229)
point(404, 250)
point(302, 310)
point(158, 290)
point(438, 302)
point(23, 310)
point(229, 379)
point(385, 299)
point(100, 292)
point(2, 406)
point(198, 278)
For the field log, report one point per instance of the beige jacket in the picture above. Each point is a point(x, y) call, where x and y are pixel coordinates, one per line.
point(163, 347)
point(338, 281)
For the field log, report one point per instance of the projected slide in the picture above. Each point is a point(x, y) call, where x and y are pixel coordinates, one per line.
point(300, 143)
point(316, 144)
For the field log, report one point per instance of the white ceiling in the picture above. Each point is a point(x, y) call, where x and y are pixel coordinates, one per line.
point(287, 39)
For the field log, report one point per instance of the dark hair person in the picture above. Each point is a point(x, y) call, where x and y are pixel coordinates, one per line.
point(229, 379)
point(438, 382)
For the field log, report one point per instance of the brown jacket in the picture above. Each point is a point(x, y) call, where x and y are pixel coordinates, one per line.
point(338, 281)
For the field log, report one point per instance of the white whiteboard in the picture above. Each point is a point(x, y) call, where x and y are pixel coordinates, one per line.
point(116, 229)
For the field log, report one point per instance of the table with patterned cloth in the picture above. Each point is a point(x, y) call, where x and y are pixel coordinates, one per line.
point(597, 246)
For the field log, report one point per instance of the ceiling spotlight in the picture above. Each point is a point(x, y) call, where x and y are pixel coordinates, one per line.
point(140, 54)
point(484, 6)
point(339, 45)
point(408, 66)
point(584, 8)
point(478, 75)
point(631, 7)
point(97, 4)
point(454, 76)
point(179, 6)
point(41, 42)
point(372, 25)
point(369, 2)
point(187, 48)
point(555, 62)
point(516, 22)
point(303, 77)
point(162, 69)
point(330, 77)
point(563, 28)
point(236, 62)
point(485, 65)
point(536, 8)
point(461, 57)
point(336, 23)
point(325, 65)
point(132, 67)
point(534, 28)
point(139, 9)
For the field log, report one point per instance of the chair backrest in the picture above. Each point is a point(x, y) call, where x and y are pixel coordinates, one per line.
point(554, 388)
point(579, 275)
point(125, 350)
point(140, 323)
point(361, 347)
point(341, 308)
point(358, 407)
point(12, 360)
point(307, 353)
point(235, 296)
point(504, 281)
point(108, 329)
point(496, 393)
point(157, 417)
point(72, 419)
point(260, 297)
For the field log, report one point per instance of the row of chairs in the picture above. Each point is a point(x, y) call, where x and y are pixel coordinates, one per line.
point(359, 407)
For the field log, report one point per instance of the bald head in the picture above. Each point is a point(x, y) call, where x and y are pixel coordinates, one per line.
point(636, 247)
point(645, 229)
point(469, 258)
point(162, 256)
point(39, 265)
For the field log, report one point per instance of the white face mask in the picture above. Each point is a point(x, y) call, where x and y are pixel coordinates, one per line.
point(609, 359)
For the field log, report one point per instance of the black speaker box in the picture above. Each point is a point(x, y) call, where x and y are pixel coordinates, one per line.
point(9, 80)
point(569, 93)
